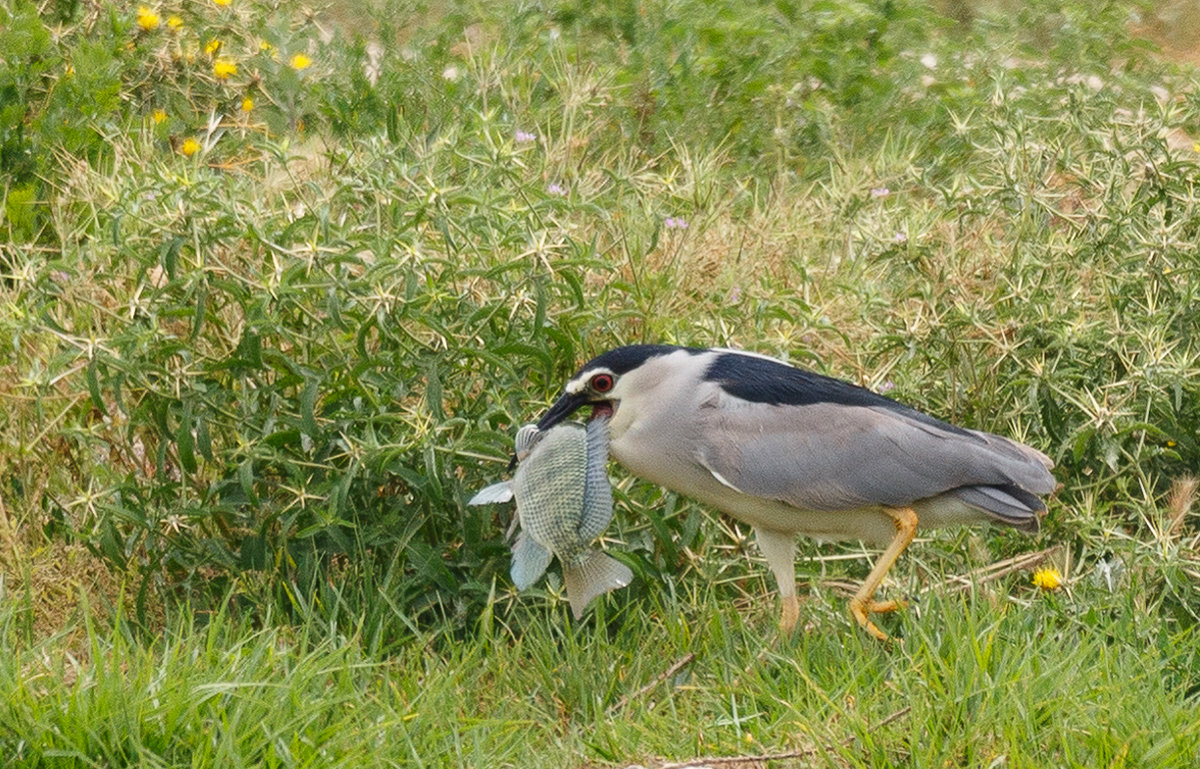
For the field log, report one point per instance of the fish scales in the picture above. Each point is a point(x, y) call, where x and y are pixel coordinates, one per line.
point(564, 502)
point(550, 487)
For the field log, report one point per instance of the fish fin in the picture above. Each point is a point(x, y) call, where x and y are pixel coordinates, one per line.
point(596, 575)
point(497, 492)
point(527, 436)
point(529, 561)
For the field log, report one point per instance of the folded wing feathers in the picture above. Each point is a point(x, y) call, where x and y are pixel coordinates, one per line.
point(830, 456)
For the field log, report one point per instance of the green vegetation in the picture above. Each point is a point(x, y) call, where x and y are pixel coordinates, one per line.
point(278, 285)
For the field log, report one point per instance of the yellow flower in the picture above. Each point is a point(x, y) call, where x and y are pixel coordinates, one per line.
point(263, 45)
point(159, 116)
point(223, 68)
point(190, 147)
point(1047, 579)
point(247, 104)
point(222, 3)
point(147, 19)
point(212, 46)
point(300, 62)
point(175, 23)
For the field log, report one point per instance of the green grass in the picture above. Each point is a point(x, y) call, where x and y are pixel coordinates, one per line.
point(245, 391)
point(980, 677)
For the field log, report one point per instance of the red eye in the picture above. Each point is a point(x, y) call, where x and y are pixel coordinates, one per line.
point(602, 383)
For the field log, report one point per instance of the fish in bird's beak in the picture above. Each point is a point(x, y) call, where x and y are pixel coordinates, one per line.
point(565, 406)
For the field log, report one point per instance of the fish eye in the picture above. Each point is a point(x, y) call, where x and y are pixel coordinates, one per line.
point(602, 383)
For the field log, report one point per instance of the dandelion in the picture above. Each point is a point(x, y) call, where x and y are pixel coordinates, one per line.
point(190, 147)
point(247, 104)
point(159, 116)
point(212, 46)
point(223, 68)
point(300, 62)
point(147, 19)
point(1047, 579)
point(222, 3)
point(524, 137)
point(175, 23)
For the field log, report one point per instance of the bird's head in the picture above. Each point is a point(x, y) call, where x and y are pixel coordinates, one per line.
point(603, 382)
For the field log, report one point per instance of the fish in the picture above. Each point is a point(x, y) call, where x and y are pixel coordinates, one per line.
point(564, 502)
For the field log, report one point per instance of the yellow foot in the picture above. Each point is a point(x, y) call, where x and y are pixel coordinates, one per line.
point(859, 609)
point(864, 601)
point(883, 607)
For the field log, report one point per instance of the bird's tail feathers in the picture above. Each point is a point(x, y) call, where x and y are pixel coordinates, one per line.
point(595, 575)
point(1009, 504)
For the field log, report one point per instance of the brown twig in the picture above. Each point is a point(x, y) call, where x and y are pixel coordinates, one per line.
point(995, 571)
point(663, 676)
point(716, 760)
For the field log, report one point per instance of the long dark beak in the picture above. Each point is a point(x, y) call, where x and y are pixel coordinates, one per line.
point(564, 407)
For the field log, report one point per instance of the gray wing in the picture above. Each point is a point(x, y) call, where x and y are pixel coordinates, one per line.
point(827, 456)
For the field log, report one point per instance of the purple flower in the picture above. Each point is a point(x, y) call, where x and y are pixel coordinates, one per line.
point(880, 192)
point(886, 387)
point(675, 223)
point(735, 294)
point(524, 137)
point(554, 188)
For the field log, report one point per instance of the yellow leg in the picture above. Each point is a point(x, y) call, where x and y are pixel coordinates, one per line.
point(790, 613)
point(863, 601)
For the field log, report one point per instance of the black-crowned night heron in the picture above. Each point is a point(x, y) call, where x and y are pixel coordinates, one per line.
point(792, 452)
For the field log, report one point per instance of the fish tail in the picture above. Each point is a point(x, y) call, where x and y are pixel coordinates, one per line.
point(595, 575)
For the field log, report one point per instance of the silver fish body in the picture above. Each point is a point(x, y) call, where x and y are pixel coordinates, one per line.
point(564, 502)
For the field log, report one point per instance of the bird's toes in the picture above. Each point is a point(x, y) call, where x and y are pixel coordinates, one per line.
point(882, 607)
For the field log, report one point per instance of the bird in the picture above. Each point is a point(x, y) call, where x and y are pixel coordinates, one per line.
point(793, 452)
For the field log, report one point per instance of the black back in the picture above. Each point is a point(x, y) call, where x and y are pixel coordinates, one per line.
point(762, 380)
